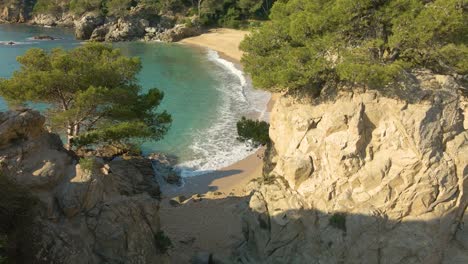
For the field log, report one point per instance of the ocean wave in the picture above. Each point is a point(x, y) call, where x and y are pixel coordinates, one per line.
point(217, 146)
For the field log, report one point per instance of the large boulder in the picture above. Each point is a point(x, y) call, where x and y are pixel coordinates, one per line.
point(121, 29)
point(364, 178)
point(85, 26)
point(98, 213)
point(178, 32)
point(48, 20)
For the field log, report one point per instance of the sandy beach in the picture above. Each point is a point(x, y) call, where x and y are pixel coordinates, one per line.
point(209, 219)
point(225, 41)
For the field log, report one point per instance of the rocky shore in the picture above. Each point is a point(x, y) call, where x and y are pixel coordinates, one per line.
point(139, 24)
point(104, 212)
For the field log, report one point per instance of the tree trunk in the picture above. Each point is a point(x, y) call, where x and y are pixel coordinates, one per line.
point(199, 8)
point(69, 136)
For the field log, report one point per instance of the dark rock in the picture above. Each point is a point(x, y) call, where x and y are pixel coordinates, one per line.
point(44, 37)
point(163, 167)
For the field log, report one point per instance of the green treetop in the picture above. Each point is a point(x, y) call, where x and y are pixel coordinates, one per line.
point(92, 92)
point(309, 42)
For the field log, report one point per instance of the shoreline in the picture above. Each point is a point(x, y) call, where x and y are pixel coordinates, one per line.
point(214, 199)
point(229, 180)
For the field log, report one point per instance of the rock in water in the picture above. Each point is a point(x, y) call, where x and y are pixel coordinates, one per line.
point(105, 214)
point(44, 37)
point(364, 178)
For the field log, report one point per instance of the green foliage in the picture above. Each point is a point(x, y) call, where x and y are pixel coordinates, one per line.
point(93, 93)
point(83, 6)
point(254, 130)
point(233, 13)
point(338, 220)
point(163, 242)
point(50, 6)
point(309, 42)
point(119, 7)
point(88, 164)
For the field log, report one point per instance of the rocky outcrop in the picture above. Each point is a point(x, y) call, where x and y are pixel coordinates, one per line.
point(49, 20)
point(132, 28)
point(364, 178)
point(85, 26)
point(16, 11)
point(99, 213)
point(119, 30)
point(177, 33)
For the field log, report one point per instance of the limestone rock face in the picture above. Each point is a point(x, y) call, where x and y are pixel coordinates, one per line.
point(126, 29)
point(15, 12)
point(85, 26)
point(65, 20)
point(364, 178)
point(178, 32)
point(107, 213)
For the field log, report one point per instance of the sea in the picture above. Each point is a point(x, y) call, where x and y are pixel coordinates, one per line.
point(205, 94)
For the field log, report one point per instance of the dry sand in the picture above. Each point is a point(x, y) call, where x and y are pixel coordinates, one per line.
point(212, 224)
point(223, 40)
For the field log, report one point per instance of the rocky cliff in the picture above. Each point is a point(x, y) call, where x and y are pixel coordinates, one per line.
point(364, 178)
point(101, 213)
point(141, 22)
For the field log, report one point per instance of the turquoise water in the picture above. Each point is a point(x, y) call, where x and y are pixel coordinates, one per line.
point(205, 94)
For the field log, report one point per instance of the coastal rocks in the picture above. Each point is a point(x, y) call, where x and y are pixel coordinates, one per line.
point(44, 37)
point(14, 13)
point(177, 201)
point(44, 20)
point(163, 166)
point(85, 26)
point(126, 29)
point(100, 213)
point(364, 178)
point(178, 32)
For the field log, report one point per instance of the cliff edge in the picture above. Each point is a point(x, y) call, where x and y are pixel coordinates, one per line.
point(364, 178)
point(104, 213)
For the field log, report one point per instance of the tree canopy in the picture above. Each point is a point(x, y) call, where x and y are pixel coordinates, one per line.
point(229, 13)
point(254, 131)
point(309, 42)
point(93, 94)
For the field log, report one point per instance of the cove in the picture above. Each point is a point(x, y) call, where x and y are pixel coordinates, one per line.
point(205, 94)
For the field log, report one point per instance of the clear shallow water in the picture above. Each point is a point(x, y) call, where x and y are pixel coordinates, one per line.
point(205, 95)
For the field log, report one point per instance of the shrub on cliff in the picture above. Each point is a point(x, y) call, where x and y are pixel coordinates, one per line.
point(253, 130)
point(92, 94)
point(309, 42)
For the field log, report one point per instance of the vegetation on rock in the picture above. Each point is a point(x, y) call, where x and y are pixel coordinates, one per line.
point(254, 131)
point(92, 92)
point(229, 13)
point(163, 242)
point(338, 220)
point(370, 42)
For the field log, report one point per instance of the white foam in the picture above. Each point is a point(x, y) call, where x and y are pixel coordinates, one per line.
point(214, 56)
point(16, 43)
point(217, 146)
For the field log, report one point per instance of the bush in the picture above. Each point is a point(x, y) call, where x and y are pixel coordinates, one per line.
point(338, 220)
point(88, 164)
point(253, 130)
point(309, 43)
point(163, 242)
